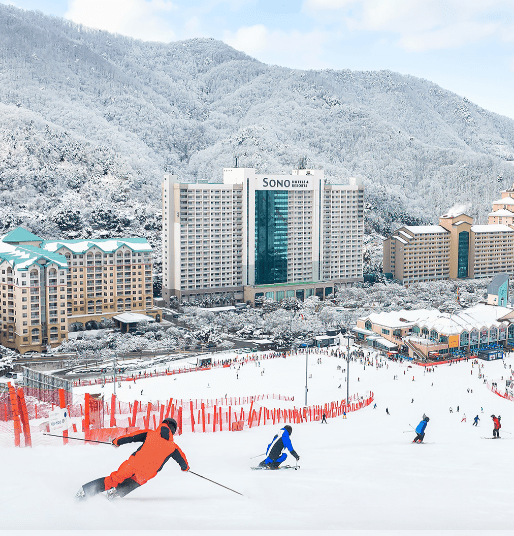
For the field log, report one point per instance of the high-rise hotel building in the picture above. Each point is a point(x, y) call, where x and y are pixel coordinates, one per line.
point(252, 235)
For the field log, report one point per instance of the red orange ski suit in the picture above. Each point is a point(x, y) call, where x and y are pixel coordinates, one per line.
point(157, 448)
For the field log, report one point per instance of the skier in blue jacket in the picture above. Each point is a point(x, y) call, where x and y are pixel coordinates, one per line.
point(420, 430)
point(275, 456)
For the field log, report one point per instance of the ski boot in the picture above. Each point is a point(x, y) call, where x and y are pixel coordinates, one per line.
point(274, 466)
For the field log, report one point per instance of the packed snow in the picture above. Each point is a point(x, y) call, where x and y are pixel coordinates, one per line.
point(362, 472)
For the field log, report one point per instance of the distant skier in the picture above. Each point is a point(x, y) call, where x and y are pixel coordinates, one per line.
point(420, 430)
point(475, 421)
point(324, 418)
point(387, 411)
point(496, 426)
point(275, 456)
point(157, 448)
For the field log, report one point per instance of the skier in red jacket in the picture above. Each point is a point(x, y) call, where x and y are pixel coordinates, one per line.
point(157, 448)
point(497, 426)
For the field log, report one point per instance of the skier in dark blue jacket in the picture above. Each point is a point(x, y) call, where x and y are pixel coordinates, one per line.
point(420, 430)
point(275, 456)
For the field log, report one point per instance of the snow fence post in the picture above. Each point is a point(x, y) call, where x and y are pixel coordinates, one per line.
point(179, 423)
point(147, 419)
point(134, 413)
point(214, 414)
point(250, 415)
point(192, 415)
point(169, 408)
point(24, 416)
point(221, 419)
point(112, 422)
point(203, 417)
point(230, 418)
point(161, 414)
point(86, 413)
point(15, 415)
point(62, 405)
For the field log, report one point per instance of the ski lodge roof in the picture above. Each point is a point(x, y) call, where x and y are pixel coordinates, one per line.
point(107, 245)
point(475, 318)
point(425, 229)
point(491, 229)
point(21, 235)
point(22, 257)
point(504, 201)
point(502, 212)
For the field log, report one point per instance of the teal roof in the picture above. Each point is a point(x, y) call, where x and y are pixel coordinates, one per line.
point(22, 257)
point(21, 235)
point(107, 245)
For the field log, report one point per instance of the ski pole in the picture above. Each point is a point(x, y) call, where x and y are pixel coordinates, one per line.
point(258, 455)
point(79, 439)
point(205, 478)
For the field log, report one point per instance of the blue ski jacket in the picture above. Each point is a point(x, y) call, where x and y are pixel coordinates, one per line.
point(420, 429)
point(278, 444)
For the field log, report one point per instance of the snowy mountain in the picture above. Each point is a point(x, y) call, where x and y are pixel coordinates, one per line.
point(90, 121)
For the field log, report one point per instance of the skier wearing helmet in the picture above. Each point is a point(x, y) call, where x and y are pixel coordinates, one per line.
point(420, 430)
point(496, 426)
point(275, 456)
point(156, 449)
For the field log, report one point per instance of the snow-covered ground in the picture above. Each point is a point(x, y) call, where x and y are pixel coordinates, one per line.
point(362, 472)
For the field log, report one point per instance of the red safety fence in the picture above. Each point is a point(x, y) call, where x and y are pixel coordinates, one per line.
point(92, 418)
point(505, 395)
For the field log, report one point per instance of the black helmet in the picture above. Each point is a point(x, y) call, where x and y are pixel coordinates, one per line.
point(288, 429)
point(493, 416)
point(426, 418)
point(171, 424)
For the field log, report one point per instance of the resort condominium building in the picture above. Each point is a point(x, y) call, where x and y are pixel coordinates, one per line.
point(454, 249)
point(252, 235)
point(50, 286)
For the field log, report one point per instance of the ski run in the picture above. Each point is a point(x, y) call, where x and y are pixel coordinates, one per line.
point(361, 472)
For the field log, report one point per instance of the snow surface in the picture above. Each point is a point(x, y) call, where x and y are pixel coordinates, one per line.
point(358, 473)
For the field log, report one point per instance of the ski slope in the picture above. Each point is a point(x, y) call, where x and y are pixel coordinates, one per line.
point(362, 472)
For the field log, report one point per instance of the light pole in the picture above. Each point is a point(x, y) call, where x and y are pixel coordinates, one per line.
point(115, 373)
point(306, 362)
point(348, 368)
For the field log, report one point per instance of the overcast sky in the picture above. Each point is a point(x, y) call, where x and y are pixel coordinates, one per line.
point(466, 46)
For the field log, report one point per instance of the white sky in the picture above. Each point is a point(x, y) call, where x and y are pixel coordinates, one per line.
point(466, 46)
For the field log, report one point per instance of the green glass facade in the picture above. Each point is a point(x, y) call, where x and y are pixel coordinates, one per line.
point(462, 260)
point(271, 211)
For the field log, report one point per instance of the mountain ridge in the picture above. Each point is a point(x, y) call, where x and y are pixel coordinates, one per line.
point(90, 121)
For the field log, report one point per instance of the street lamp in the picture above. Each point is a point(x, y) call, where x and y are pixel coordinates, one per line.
point(348, 368)
point(306, 362)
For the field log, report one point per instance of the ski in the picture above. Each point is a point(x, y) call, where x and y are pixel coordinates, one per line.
point(277, 469)
point(492, 438)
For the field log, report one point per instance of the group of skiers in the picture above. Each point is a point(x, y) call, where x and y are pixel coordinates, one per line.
point(157, 448)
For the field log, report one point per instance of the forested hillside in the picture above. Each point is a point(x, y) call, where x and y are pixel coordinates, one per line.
point(90, 121)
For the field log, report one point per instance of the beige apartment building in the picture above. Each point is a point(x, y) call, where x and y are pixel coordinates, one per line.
point(50, 286)
point(454, 249)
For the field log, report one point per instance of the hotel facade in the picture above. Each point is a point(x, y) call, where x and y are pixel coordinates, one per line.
point(50, 286)
point(251, 236)
point(454, 249)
